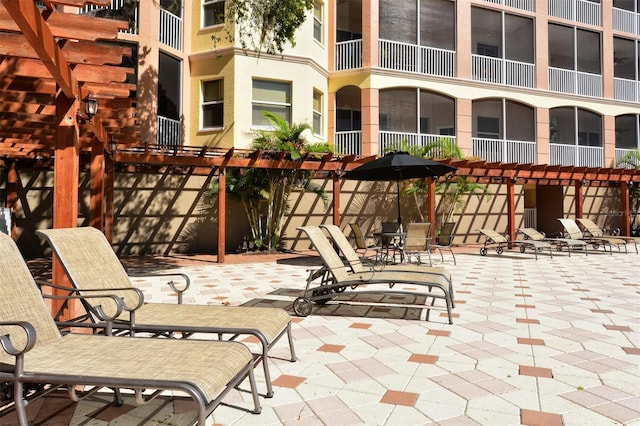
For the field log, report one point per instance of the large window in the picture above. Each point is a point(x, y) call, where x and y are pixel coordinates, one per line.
point(169, 86)
point(574, 49)
point(212, 104)
point(317, 113)
point(212, 12)
point(273, 96)
point(317, 21)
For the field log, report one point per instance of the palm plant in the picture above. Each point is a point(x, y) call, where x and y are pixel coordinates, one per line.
point(631, 159)
point(264, 193)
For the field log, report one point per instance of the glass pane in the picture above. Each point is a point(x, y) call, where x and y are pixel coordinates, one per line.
point(588, 43)
point(440, 110)
point(437, 24)
point(518, 39)
point(626, 131)
point(398, 20)
point(589, 128)
point(213, 115)
point(317, 123)
point(624, 58)
point(520, 121)
point(212, 91)
point(213, 13)
point(562, 128)
point(258, 119)
point(399, 107)
point(561, 47)
point(317, 102)
point(486, 32)
point(271, 91)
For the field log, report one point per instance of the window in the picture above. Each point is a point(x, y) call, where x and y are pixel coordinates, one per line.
point(348, 120)
point(317, 113)
point(317, 21)
point(488, 128)
point(212, 104)
point(273, 96)
point(212, 12)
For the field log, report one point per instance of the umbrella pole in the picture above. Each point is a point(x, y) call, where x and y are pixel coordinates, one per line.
point(398, 193)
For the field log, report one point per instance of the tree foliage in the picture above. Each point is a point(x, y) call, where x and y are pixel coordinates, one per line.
point(264, 193)
point(631, 159)
point(265, 25)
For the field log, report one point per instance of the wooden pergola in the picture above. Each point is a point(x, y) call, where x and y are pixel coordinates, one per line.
point(50, 61)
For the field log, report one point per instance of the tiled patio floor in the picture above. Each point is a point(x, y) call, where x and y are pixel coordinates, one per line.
point(553, 341)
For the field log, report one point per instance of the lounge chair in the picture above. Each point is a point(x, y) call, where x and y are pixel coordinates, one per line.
point(532, 234)
point(34, 351)
point(336, 277)
point(444, 241)
point(93, 267)
point(573, 231)
point(595, 231)
point(492, 238)
point(537, 245)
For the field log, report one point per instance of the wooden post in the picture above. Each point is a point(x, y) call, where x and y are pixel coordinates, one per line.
point(13, 179)
point(222, 207)
point(431, 205)
point(579, 198)
point(625, 208)
point(511, 209)
point(96, 185)
point(336, 197)
point(109, 213)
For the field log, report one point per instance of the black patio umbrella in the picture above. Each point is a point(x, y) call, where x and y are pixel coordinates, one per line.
point(397, 166)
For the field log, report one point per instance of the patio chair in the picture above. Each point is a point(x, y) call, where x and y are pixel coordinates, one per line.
point(532, 234)
point(34, 351)
point(595, 231)
point(93, 268)
point(391, 242)
point(573, 231)
point(336, 278)
point(444, 241)
point(537, 245)
point(364, 246)
point(493, 238)
point(416, 242)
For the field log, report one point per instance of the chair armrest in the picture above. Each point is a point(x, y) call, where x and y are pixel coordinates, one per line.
point(179, 291)
point(80, 294)
point(8, 346)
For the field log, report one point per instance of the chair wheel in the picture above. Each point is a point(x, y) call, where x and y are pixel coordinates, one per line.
point(483, 251)
point(319, 293)
point(499, 250)
point(302, 306)
point(522, 249)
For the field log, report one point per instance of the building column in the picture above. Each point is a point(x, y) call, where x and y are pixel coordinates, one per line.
point(464, 126)
point(370, 33)
point(370, 104)
point(543, 148)
point(609, 140)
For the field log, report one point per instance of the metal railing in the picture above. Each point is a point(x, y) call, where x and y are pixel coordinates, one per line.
point(348, 143)
point(626, 90)
point(348, 55)
point(169, 132)
point(393, 140)
point(575, 155)
point(417, 59)
point(517, 4)
point(576, 82)
point(530, 218)
point(504, 150)
point(170, 30)
point(621, 152)
point(626, 21)
point(503, 71)
point(584, 11)
point(116, 10)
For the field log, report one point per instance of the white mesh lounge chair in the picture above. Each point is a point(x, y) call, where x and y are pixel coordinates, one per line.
point(595, 231)
point(336, 277)
point(573, 231)
point(92, 266)
point(34, 351)
point(532, 234)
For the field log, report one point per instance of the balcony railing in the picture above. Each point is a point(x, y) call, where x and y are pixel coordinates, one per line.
point(572, 155)
point(348, 143)
point(584, 11)
point(621, 152)
point(169, 132)
point(122, 10)
point(626, 90)
point(398, 56)
point(504, 150)
point(517, 4)
point(503, 71)
point(576, 82)
point(393, 140)
point(170, 30)
point(626, 21)
point(348, 55)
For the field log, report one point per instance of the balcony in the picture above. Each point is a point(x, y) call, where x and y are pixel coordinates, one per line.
point(169, 132)
point(170, 30)
point(504, 151)
point(626, 21)
point(348, 55)
point(503, 71)
point(516, 4)
point(417, 59)
point(621, 152)
point(583, 11)
point(572, 155)
point(575, 82)
point(626, 90)
point(392, 140)
point(119, 10)
point(348, 143)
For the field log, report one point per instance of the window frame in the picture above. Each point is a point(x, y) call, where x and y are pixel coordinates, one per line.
point(205, 3)
point(318, 21)
point(204, 103)
point(317, 114)
point(288, 105)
